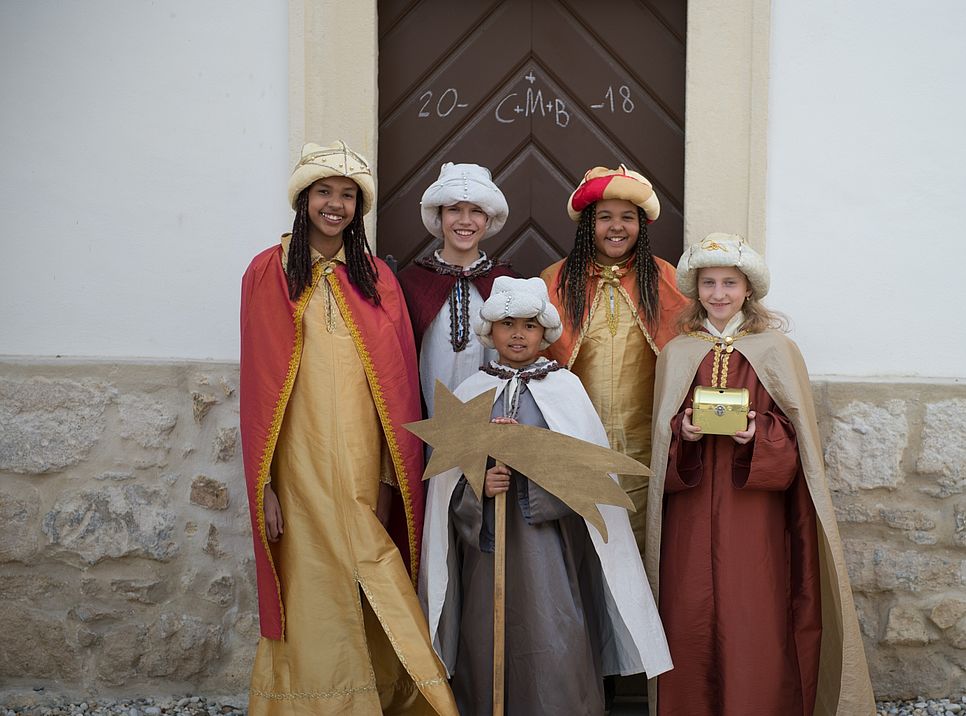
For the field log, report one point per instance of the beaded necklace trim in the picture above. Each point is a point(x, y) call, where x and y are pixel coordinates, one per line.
point(459, 296)
point(518, 380)
point(611, 276)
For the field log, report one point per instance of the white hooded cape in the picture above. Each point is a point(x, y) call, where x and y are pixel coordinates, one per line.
point(562, 400)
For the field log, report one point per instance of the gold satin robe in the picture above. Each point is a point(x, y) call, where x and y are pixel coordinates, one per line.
point(354, 625)
point(615, 362)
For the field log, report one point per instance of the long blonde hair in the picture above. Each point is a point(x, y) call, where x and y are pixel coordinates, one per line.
point(758, 318)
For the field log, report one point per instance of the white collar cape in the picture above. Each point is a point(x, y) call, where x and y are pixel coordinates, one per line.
point(565, 406)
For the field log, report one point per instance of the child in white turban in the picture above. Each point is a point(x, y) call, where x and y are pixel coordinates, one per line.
point(576, 607)
point(463, 207)
point(754, 593)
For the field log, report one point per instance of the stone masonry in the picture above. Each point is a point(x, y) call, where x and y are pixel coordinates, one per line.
point(125, 541)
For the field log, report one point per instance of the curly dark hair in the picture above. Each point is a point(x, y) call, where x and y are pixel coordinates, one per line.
point(359, 261)
point(576, 268)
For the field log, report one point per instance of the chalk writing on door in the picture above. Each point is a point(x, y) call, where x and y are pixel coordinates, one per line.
point(526, 103)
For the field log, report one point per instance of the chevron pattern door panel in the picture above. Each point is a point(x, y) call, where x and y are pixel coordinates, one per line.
point(539, 91)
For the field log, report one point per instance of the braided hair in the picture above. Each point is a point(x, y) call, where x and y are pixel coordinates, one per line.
point(646, 269)
point(361, 267)
point(576, 268)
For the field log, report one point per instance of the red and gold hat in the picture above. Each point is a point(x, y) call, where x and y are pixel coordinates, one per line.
point(602, 183)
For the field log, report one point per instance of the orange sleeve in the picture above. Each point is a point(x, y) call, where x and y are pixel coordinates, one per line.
point(672, 302)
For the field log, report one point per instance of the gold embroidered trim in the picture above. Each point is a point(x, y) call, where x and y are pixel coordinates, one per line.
point(362, 622)
point(611, 276)
point(295, 695)
point(590, 317)
point(613, 312)
point(583, 329)
point(328, 266)
point(637, 319)
point(387, 474)
point(720, 345)
point(385, 626)
point(392, 640)
point(379, 399)
point(264, 469)
point(336, 693)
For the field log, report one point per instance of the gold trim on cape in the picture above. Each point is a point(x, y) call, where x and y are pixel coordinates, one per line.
point(265, 468)
point(598, 292)
point(387, 428)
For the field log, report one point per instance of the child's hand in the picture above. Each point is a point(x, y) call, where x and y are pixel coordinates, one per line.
point(273, 514)
point(496, 480)
point(504, 421)
point(743, 437)
point(689, 431)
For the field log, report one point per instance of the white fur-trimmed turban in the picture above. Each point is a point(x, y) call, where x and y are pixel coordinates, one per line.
point(464, 182)
point(519, 298)
point(723, 250)
point(335, 160)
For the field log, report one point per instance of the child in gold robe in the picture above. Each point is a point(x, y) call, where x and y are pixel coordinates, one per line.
point(328, 377)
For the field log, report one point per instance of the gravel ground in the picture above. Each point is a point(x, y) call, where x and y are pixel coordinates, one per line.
point(924, 707)
point(200, 706)
point(186, 706)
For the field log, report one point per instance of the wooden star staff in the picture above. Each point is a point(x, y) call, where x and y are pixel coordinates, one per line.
point(575, 471)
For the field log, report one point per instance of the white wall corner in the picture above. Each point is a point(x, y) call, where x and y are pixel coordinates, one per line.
point(726, 119)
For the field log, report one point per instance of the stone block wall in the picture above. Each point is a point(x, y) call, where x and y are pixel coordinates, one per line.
point(896, 459)
point(125, 542)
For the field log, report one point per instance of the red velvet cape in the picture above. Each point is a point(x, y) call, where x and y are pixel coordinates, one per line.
point(271, 348)
point(426, 291)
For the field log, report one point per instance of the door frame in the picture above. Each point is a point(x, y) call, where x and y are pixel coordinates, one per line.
point(726, 96)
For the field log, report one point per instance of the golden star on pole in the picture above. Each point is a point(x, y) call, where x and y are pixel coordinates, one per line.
point(575, 471)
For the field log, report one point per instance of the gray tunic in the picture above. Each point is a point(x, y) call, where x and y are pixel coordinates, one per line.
point(555, 624)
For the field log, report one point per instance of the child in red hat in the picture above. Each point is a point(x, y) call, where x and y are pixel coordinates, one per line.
point(619, 305)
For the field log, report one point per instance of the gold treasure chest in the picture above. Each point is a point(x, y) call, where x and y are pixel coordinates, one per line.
point(720, 411)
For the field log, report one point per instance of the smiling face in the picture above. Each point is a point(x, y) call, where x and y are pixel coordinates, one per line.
point(332, 204)
point(615, 231)
point(722, 291)
point(517, 340)
point(464, 225)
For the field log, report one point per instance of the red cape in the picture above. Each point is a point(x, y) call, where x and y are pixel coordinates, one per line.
point(426, 291)
point(271, 347)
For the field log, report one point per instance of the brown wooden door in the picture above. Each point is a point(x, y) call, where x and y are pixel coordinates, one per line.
point(539, 91)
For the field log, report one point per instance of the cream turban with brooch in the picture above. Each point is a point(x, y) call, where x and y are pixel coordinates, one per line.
point(464, 182)
point(519, 298)
point(723, 250)
point(335, 160)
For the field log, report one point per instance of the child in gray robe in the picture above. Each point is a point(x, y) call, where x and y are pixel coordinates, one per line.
point(569, 617)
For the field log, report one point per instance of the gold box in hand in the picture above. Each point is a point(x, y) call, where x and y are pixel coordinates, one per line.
point(720, 411)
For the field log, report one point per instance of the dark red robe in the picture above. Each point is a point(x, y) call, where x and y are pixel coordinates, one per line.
point(740, 586)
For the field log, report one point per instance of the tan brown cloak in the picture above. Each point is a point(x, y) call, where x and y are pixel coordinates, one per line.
point(844, 688)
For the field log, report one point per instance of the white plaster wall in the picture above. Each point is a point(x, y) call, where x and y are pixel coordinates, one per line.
point(866, 202)
point(144, 161)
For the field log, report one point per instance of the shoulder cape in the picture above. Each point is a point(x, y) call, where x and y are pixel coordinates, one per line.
point(567, 409)
point(844, 688)
point(271, 347)
point(426, 291)
point(670, 304)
